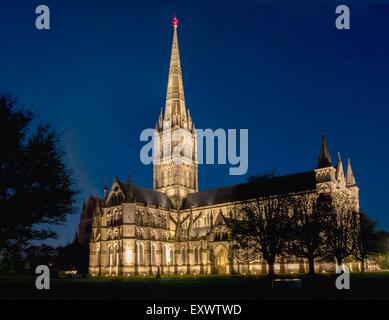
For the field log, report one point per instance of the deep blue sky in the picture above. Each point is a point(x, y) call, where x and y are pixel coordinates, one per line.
point(284, 72)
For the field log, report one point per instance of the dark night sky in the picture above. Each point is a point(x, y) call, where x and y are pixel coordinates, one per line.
point(284, 72)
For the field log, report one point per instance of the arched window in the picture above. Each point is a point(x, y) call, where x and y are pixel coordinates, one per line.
point(196, 255)
point(184, 256)
point(98, 256)
point(137, 217)
point(163, 222)
point(153, 255)
point(139, 253)
point(113, 200)
point(139, 233)
point(223, 234)
point(171, 256)
point(128, 255)
point(119, 198)
point(167, 256)
point(110, 257)
point(115, 262)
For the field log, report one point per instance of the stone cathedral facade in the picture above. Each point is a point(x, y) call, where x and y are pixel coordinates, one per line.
point(174, 228)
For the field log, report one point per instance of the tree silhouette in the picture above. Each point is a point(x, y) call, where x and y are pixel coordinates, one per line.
point(365, 238)
point(35, 186)
point(262, 224)
point(306, 229)
point(338, 222)
point(245, 252)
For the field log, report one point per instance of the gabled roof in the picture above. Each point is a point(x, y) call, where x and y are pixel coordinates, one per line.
point(152, 197)
point(134, 193)
point(305, 181)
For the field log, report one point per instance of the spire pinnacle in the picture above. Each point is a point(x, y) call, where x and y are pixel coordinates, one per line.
point(175, 108)
point(324, 158)
point(339, 169)
point(350, 179)
point(130, 194)
point(175, 22)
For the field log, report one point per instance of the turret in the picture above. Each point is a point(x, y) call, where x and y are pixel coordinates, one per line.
point(350, 179)
point(325, 171)
point(339, 175)
point(352, 185)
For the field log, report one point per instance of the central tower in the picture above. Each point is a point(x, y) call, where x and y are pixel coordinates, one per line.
point(175, 151)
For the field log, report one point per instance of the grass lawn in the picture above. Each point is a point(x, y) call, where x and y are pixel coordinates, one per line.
point(362, 286)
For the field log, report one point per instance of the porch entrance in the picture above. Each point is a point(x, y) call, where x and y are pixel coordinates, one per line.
point(221, 260)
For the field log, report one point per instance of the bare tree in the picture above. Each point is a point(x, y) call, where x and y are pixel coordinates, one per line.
point(306, 229)
point(338, 223)
point(365, 238)
point(262, 223)
point(245, 252)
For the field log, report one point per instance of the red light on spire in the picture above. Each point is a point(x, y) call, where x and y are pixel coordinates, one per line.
point(175, 22)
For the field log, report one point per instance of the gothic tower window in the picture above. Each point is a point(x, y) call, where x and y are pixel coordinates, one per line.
point(184, 256)
point(139, 233)
point(98, 257)
point(113, 201)
point(109, 256)
point(153, 254)
point(115, 256)
point(163, 222)
point(139, 218)
point(119, 199)
point(196, 255)
point(139, 253)
point(176, 178)
point(167, 255)
point(171, 256)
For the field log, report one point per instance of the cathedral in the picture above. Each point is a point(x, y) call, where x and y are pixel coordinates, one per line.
point(176, 229)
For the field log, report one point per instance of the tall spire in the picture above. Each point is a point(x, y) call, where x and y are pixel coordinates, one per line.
point(324, 158)
point(175, 109)
point(175, 174)
point(350, 179)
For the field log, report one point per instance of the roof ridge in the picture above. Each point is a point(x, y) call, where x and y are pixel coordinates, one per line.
point(255, 182)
